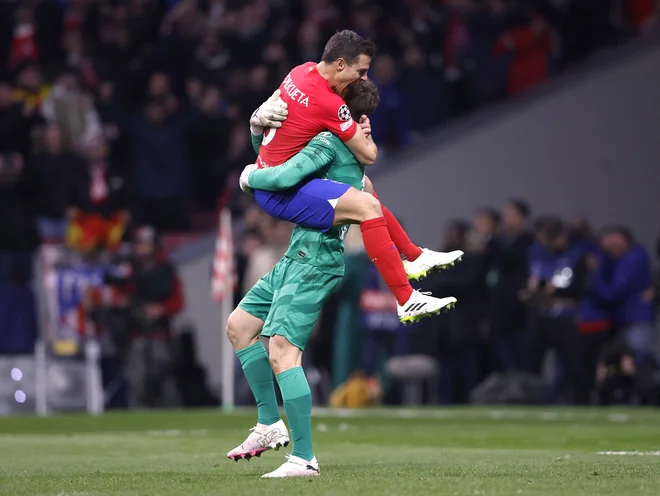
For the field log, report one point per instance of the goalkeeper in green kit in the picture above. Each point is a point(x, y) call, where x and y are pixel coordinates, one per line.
point(286, 303)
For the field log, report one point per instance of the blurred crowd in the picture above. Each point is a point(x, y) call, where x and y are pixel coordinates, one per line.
point(134, 111)
point(525, 288)
point(120, 114)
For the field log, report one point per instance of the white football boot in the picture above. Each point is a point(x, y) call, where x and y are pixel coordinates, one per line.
point(262, 438)
point(421, 305)
point(430, 261)
point(295, 467)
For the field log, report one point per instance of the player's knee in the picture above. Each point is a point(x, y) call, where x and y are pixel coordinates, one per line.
point(232, 327)
point(370, 207)
point(238, 331)
point(282, 354)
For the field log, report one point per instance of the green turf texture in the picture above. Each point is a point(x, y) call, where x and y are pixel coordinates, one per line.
point(454, 451)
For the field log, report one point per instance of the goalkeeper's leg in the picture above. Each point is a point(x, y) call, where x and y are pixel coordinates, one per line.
point(297, 396)
point(298, 303)
point(243, 328)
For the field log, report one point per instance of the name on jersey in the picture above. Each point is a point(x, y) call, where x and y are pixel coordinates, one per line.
point(294, 93)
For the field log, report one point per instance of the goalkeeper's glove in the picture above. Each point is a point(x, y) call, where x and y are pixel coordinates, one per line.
point(245, 175)
point(271, 113)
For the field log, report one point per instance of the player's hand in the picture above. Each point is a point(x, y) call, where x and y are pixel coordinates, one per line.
point(271, 113)
point(365, 124)
point(245, 175)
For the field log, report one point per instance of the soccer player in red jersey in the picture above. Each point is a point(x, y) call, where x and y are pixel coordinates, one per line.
point(312, 92)
point(310, 96)
point(345, 61)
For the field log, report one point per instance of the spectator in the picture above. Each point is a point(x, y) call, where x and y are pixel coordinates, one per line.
point(581, 234)
point(276, 235)
point(208, 145)
point(17, 119)
point(212, 59)
point(53, 170)
point(457, 46)
point(30, 86)
point(483, 240)
point(507, 314)
point(24, 46)
point(96, 203)
point(389, 124)
point(526, 44)
point(259, 89)
point(160, 158)
point(641, 14)
point(380, 322)
point(148, 293)
point(310, 45)
point(18, 235)
point(159, 87)
point(486, 22)
point(417, 81)
point(459, 331)
point(184, 20)
point(595, 325)
point(240, 150)
point(554, 290)
point(73, 111)
point(623, 281)
point(486, 227)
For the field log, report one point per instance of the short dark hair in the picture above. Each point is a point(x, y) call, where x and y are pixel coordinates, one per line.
point(362, 98)
point(622, 231)
point(521, 206)
point(492, 214)
point(552, 227)
point(347, 45)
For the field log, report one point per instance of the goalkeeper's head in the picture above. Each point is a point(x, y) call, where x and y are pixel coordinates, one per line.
point(362, 98)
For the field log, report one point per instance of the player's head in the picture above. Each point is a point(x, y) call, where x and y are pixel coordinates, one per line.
point(362, 98)
point(348, 56)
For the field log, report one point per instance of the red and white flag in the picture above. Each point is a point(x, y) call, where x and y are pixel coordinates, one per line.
point(224, 278)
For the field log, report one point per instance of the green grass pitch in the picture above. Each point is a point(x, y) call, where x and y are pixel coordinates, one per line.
point(453, 451)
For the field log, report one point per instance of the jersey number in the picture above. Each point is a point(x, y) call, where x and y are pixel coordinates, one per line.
point(342, 232)
point(269, 137)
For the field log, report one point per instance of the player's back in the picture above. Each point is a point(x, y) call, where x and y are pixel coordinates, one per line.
point(313, 107)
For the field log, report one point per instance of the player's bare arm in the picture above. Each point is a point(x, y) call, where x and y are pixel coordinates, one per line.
point(363, 147)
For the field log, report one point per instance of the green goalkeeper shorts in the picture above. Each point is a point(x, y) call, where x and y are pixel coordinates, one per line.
point(289, 300)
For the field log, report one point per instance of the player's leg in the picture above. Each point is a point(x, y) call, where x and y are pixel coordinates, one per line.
point(419, 262)
point(400, 238)
point(300, 301)
point(321, 204)
point(243, 328)
point(356, 206)
point(411, 305)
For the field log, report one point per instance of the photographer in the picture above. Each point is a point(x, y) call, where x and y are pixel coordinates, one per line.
point(554, 290)
point(147, 293)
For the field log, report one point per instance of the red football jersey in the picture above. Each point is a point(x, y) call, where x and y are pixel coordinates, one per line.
point(313, 108)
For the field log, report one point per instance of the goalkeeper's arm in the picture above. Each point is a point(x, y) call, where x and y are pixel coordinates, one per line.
point(310, 160)
point(256, 140)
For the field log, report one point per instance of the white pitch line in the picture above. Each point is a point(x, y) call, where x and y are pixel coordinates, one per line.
point(495, 414)
point(629, 453)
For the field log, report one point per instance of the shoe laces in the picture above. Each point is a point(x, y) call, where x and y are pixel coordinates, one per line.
point(296, 460)
point(253, 430)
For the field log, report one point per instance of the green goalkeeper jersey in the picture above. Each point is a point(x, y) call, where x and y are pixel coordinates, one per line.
point(324, 157)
